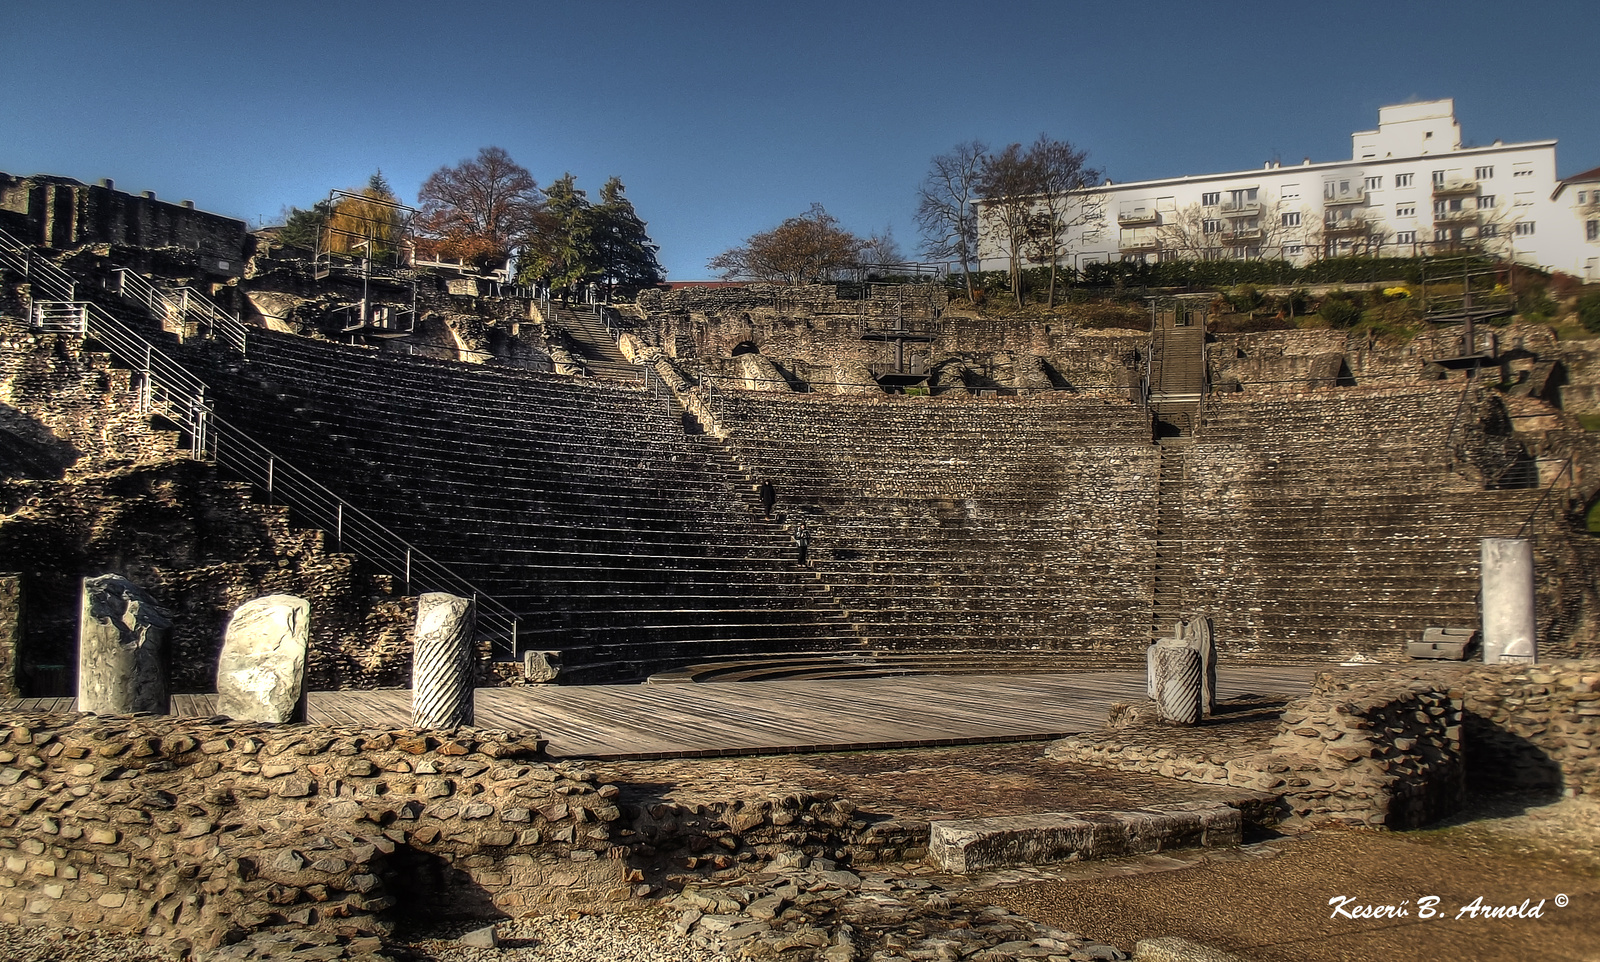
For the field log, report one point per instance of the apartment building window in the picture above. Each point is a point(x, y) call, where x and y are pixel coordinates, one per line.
point(1591, 230)
point(1485, 201)
point(1402, 180)
point(1405, 237)
point(1523, 198)
point(1291, 219)
point(1211, 199)
point(1522, 172)
point(1525, 228)
point(1243, 196)
point(1489, 230)
point(1438, 178)
point(1293, 250)
point(1211, 225)
point(1581, 197)
point(1405, 210)
point(1292, 192)
point(1375, 183)
point(1483, 173)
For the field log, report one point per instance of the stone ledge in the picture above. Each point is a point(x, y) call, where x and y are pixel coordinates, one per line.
point(970, 845)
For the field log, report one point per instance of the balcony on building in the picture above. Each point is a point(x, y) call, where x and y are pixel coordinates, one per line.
point(1455, 187)
point(1238, 207)
point(1342, 193)
point(1242, 236)
point(1135, 216)
point(1336, 226)
point(1464, 217)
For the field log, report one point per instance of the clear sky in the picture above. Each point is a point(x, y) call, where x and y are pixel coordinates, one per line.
point(724, 118)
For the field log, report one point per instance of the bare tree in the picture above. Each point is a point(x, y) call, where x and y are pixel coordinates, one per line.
point(1063, 205)
point(1033, 198)
point(882, 248)
point(1194, 232)
point(808, 249)
point(1008, 186)
point(947, 211)
point(481, 208)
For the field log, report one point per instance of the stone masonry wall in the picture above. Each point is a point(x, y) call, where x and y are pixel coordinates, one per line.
point(61, 212)
point(1393, 747)
point(204, 829)
point(1375, 754)
point(1527, 727)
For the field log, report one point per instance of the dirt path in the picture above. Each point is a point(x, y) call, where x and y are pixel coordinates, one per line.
point(1277, 909)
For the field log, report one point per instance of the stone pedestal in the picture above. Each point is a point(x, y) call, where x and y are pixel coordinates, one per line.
point(122, 649)
point(442, 662)
point(541, 667)
point(261, 673)
point(1508, 600)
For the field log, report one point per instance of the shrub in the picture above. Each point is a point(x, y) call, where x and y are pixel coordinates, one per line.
point(1589, 312)
point(1339, 309)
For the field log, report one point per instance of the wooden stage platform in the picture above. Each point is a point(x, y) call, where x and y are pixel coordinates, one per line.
point(749, 718)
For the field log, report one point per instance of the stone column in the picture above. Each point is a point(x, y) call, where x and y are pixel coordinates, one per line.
point(441, 662)
point(261, 674)
point(1508, 612)
point(1178, 683)
point(122, 649)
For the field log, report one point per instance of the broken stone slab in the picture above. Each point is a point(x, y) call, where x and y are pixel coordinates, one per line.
point(541, 667)
point(978, 844)
point(261, 673)
point(122, 649)
point(442, 662)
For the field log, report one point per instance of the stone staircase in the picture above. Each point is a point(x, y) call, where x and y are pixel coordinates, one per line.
point(1177, 384)
point(592, 341)
point(1167, 580)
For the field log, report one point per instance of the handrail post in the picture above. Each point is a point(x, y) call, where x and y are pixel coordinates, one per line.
point(408, 569)
point(271, 463)
point(338, 531)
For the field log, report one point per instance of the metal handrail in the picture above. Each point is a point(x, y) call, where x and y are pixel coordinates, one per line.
point(49, 279)
point(170, 390)
point(181, 306)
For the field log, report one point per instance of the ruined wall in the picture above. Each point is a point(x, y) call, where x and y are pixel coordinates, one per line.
point(119, 497)
point(1375, 753)
point(1387, 747)
point(60, 212)
point(807, 331)
point(191, 829)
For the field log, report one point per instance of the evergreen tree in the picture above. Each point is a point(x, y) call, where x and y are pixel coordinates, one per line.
point(626, 257)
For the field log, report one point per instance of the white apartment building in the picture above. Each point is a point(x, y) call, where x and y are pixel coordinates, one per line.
point(1409, 187)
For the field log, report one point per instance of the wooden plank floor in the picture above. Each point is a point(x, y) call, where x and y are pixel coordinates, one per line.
point(646, 721)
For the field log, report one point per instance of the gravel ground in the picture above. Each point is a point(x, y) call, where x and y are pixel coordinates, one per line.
point(645, 936)
point(38, 944)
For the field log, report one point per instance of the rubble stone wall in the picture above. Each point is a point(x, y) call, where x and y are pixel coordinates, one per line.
point(203, 828)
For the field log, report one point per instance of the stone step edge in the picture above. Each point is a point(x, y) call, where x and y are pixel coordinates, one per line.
point(964, 846)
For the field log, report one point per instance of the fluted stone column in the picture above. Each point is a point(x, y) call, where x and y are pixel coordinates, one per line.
point(1197, 634)
point(1509, 624)
point(441, 662)
point(261, 674)
point(1178, 683)
point(122, 649)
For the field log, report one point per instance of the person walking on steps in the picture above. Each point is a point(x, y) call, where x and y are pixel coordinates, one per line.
point(802, 540)
point(768, 498)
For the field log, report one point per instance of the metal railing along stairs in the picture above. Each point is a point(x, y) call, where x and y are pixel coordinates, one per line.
point(182, 306)
point(47, 278)
point(166, 388)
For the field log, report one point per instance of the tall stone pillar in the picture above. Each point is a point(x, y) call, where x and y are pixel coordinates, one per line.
point(122, 649)
point(1178, 684)
point(1508, 611)
point(441, 662)
point(261, 674)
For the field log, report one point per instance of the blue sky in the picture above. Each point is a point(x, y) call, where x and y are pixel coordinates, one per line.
point(724, 118)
